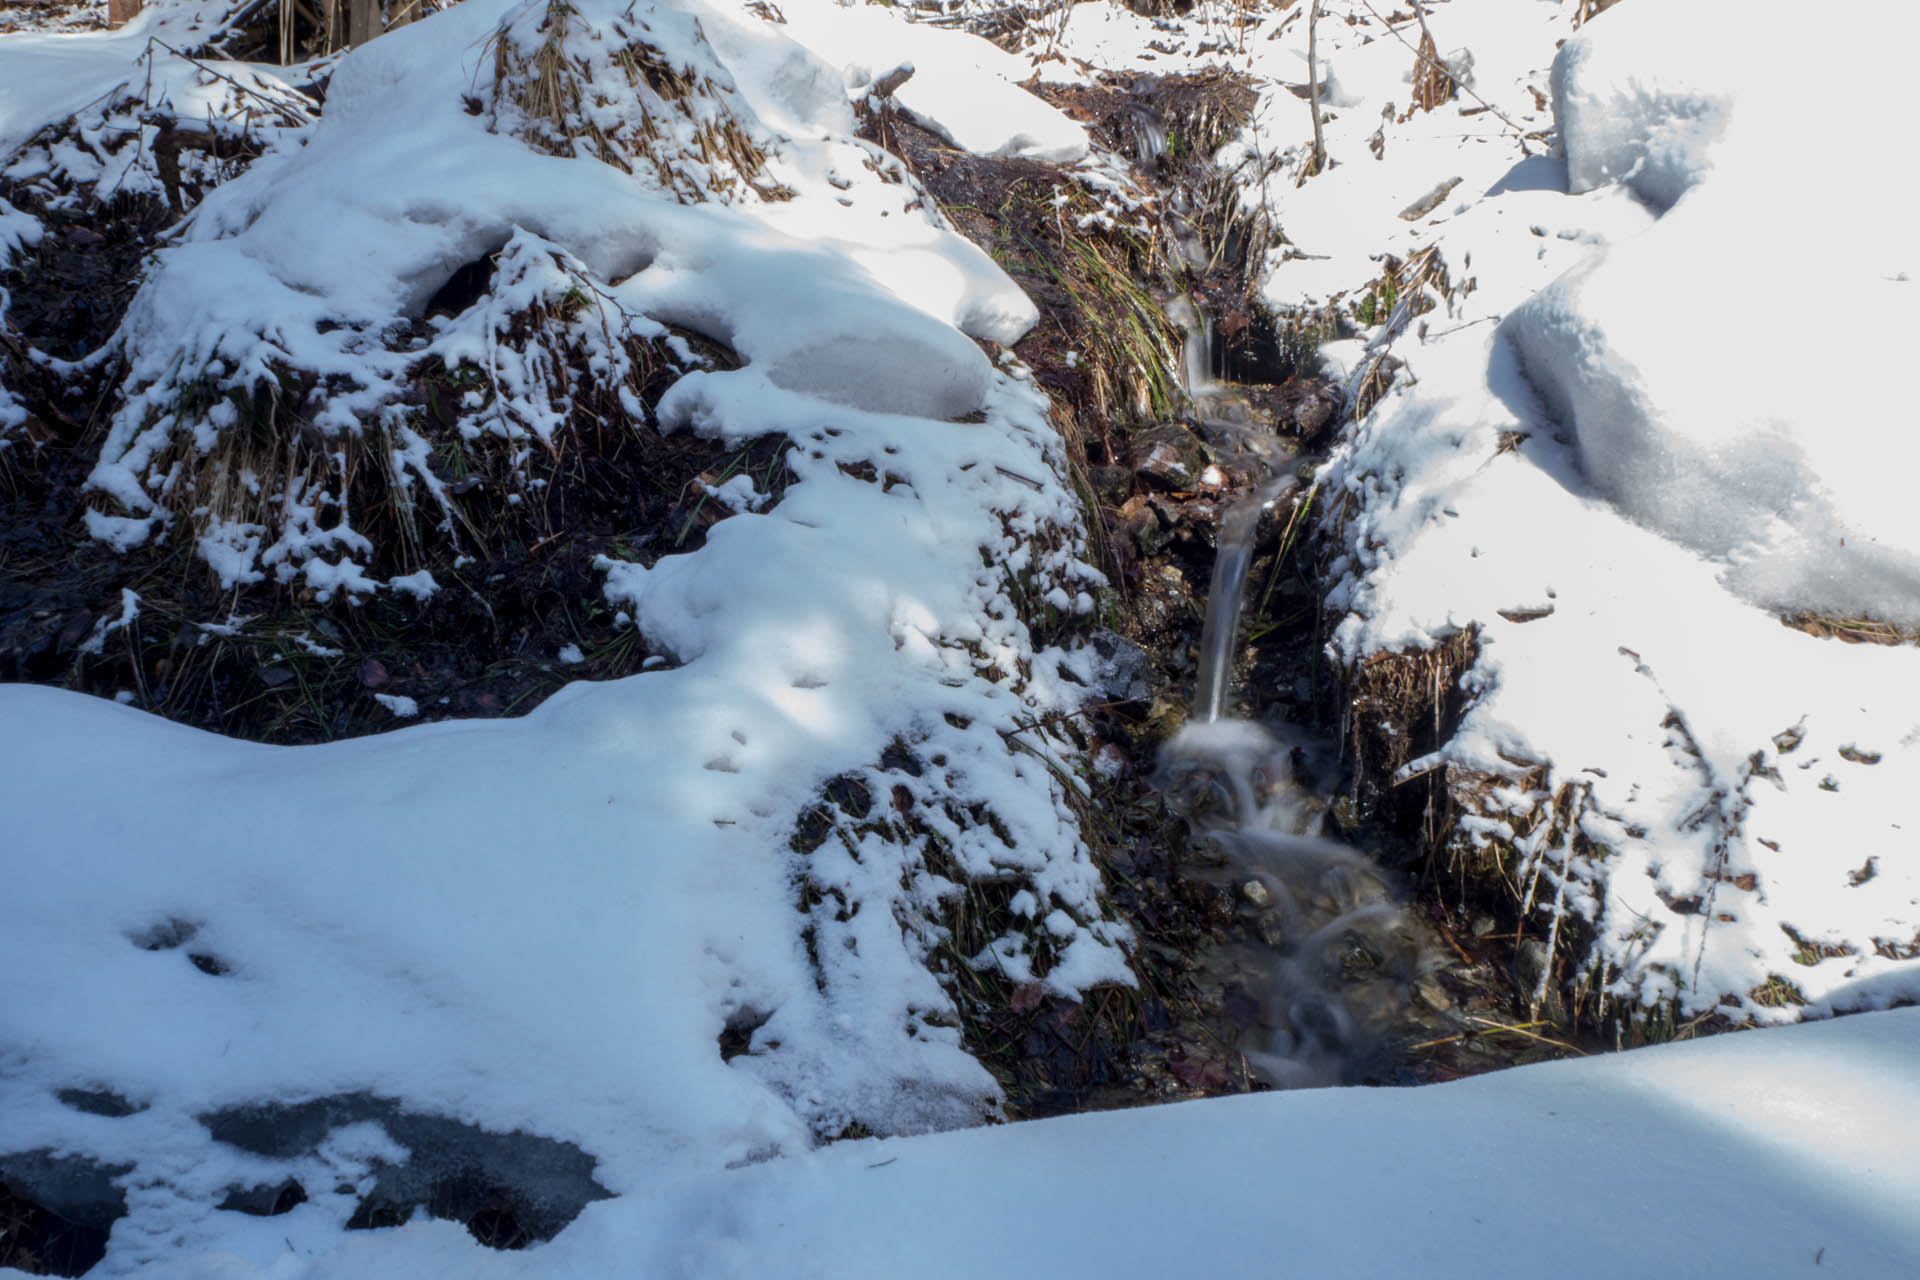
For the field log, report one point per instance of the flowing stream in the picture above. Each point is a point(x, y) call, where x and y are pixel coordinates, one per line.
point(1332, 956)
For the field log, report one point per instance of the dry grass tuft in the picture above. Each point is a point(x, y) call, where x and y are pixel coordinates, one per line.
point(1586, 10)
point(1852, 630)
point(632, 108)
point(1398, 708)
point(1431, 83)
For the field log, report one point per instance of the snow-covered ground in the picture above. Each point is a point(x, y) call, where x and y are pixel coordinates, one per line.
point(1666, 400)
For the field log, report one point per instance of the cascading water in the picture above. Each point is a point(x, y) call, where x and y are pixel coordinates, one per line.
point(1336, 957)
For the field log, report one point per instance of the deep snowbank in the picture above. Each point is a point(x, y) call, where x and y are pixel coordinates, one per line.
point(1722, 801)
point(1717, 368)
point(1776, 1153)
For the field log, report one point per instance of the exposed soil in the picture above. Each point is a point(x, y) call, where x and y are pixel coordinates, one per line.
point(53, 15)
point(37, 1242)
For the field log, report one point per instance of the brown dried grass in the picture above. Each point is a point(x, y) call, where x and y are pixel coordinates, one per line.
point(1431, 83)
point(1586, 10)
point(555, 90)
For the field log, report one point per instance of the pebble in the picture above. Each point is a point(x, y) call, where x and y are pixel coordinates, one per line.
point(1432, 995)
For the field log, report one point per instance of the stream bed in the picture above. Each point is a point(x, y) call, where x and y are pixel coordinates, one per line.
point(1297, 924)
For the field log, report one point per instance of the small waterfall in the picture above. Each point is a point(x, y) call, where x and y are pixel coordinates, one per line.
point(1196, 353)
point(1221, 630)
point(1149, 137)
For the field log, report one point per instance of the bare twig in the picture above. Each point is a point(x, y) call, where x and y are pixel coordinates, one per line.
point(1521, 1029)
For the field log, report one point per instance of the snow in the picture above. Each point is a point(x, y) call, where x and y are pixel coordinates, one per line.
point(1764, 472)
point(419, 585)
point(402, 707)
point(129, 611)
point(962, 87)
point(18, 231)
point(1783, 1152)
point(540, 928)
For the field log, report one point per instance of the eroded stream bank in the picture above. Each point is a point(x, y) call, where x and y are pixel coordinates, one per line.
point(1314, 931)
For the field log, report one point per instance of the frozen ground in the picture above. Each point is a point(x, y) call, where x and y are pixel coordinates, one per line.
point(543, 928)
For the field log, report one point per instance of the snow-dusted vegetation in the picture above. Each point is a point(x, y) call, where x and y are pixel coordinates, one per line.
point(1583, 323)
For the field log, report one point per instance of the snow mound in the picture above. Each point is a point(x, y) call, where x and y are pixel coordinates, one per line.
point(292, 305)
point(661, 925)
point(1641, 97)
point(1734, 424)
point(962, 87)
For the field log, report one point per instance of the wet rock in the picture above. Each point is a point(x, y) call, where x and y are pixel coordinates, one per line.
point(1194, 522)
point(1143, 521)
point(1307, 408)
point(1113, 485)
point(1169, 459)
point(1431, 994)
point(1346, 814)
point(267, 1200)
point(1310, 417)
point(1271, 930)
point(509, 1188)
point(1125, 673)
